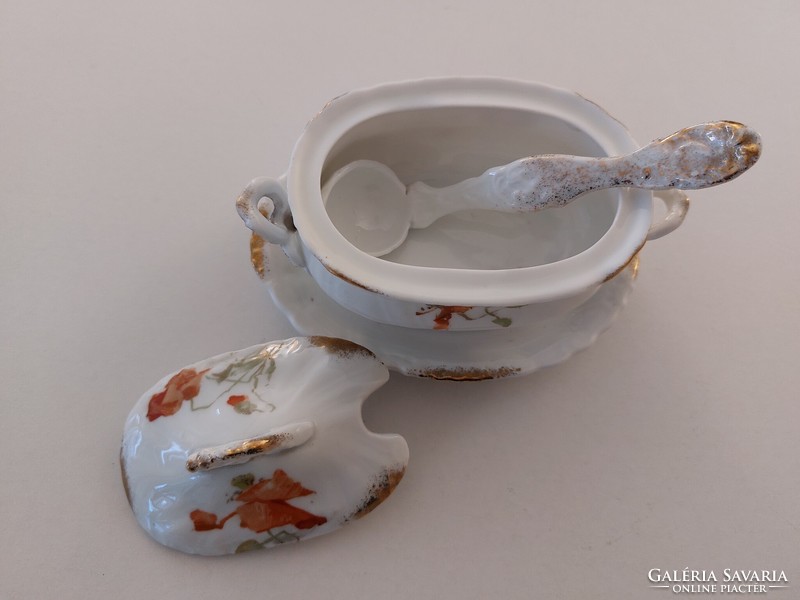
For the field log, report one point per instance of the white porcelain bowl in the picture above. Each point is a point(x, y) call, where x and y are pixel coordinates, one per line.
point(475, 269)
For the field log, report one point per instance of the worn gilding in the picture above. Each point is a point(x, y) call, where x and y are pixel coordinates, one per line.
point(466, 373)
point(257, 244)
point(257, 257)
point(380, 490)
point(618, 270)
point(741, 144)
point(203, 461)
point(349, 280)
point(634, 267)
point(338, 346)
point(693, 158)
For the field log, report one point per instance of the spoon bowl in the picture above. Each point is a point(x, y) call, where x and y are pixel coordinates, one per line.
point(378, 221)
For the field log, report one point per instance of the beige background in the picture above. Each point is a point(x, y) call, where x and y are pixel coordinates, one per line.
point(128, 129)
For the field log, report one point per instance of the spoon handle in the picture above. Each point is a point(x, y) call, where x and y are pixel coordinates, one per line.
point(693, 158)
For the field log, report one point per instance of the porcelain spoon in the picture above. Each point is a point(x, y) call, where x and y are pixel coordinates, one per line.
point(374, 210)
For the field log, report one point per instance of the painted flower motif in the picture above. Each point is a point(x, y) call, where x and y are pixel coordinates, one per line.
point(184, 385)
point(242, 405)
point(252, 370)
point(204, 521)
point(445, 313)
point(265, 506)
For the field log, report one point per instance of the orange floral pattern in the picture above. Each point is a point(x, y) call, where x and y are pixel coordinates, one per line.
point(265, 506)
point(242, 405)
point(445, 313)
point(184, 385)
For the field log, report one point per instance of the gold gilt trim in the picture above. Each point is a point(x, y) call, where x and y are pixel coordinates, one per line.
point(381, 488)
point(348, 279)
point(242, 451)
point(466, 374)
point(634, 257)
point(257, 256)
point(205, 460)
point(338, 346)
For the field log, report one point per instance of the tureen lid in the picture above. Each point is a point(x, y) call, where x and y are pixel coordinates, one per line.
point(259, 447)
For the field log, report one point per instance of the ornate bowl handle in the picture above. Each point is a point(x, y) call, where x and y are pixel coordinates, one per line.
point(677, 203)
point(278, 228)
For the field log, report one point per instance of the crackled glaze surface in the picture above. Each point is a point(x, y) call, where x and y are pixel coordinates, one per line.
point(692, 158)
point(259, 447)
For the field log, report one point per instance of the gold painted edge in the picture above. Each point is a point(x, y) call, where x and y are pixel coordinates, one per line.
point(350, 280)
point(206, 460)
point(633, 257)
point(634, 267)
point(382, 487)
point(339, 347)
point(465, 373)
point(257, 255)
